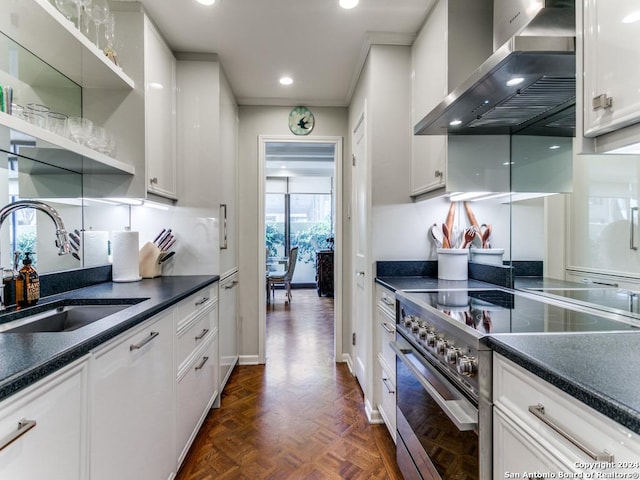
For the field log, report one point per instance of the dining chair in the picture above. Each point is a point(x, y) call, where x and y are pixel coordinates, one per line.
point(278, 278)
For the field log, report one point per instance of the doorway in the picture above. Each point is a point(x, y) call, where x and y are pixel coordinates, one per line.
point(300, 201)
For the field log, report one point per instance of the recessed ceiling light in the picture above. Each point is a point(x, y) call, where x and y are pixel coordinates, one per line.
point(455, 123)
point(206, 2)
point(515, 81)
point(286, 80)
point(347, 4)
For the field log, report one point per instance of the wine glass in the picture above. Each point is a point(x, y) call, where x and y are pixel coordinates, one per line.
point(98, 10)
point(80, 4)
point(67, 8)
point(110, 35)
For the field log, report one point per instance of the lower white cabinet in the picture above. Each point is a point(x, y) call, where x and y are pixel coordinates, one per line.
point(386, 359)
point(538, 428)
point(43, 430)
point(133, 403)
point(197, 390)
point(228, 327)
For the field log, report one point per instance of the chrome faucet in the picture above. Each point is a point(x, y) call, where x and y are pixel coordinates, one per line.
point(61, 233)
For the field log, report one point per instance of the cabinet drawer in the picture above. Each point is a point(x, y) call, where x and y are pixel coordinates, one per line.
point(195, 303)
point(193, 335)
point(386, 299)
point(197, 389)
point(515, 390)
point(387, 326)
point(387, 405)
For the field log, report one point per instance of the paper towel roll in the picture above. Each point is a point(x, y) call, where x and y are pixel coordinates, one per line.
point(125, 266)
point(95, 248)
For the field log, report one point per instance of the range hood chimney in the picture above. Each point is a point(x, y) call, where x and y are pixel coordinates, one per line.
point(527, 85)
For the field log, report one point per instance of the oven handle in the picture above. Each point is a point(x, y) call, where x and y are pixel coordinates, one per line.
point(460, 412)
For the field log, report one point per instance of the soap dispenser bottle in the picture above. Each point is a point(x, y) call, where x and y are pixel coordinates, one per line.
point(27, 284)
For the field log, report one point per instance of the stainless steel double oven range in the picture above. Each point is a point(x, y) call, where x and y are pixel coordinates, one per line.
point(443, 372)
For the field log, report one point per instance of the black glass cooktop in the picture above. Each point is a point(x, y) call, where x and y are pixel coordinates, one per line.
point(498, 311)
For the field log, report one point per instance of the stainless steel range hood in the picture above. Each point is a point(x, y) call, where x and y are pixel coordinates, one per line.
point(528, 84)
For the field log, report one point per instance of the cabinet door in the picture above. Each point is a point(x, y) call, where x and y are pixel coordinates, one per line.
point(228, 328)
point(55, 446)
point(604, 234)
point(160, 114)
point(516, 451)
point(611, 38)
point(133, 414)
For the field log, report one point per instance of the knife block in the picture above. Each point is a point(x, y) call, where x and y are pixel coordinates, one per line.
point(150, 266)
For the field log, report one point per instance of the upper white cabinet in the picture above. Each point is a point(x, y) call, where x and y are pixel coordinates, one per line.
point(603, 231)
point(455, 39)
point(160, 114)
point(43, 429)
point(611, 93)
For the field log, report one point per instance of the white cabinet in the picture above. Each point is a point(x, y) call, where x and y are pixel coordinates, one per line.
point(385, 370)
point(160, 113)
point(229, 339)
point(603, 230)
point(611, 36)
point(133, 403)
point(48, 423)
point(455, 39)
point(529, 415)
point(197, 390)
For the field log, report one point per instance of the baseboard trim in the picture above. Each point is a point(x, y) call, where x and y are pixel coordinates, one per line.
point(346, 358)
point(249, 360)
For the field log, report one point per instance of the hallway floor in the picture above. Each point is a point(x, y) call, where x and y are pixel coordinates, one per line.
point(300, 416)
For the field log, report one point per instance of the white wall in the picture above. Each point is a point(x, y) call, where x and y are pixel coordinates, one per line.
point(256, 121)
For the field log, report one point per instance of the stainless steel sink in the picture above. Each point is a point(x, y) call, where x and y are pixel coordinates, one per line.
point(62, 317)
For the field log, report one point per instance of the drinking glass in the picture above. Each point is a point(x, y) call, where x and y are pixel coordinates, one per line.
point(80, 4)
point(57, 123)
point(110, 34)
point(67, 8)
point(37, 114)
point(98, 11)
point(79, 129)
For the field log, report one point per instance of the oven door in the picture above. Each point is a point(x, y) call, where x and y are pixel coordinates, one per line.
point(437, 425)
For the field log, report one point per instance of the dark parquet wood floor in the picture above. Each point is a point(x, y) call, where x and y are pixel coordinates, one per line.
point(300, 416)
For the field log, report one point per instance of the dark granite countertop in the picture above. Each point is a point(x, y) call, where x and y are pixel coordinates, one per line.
point(27, 357)
point(526, 283)
point(599, 369)
point(428, 283)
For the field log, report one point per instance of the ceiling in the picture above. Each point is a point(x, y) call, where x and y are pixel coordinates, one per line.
point(316, 42)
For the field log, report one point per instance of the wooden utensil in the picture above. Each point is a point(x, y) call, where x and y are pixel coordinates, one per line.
point(436, 235)
point(471, 216)
point(485, 237)
point(446, 239)
point(469, 235)
point(450, 216)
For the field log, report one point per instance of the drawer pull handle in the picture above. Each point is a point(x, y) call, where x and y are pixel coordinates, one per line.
point(538, 412)
point(386, 384)
point(138, 346)
point(202, 362)
point(388, 302)
point(388, 327)
point(201, 301)
point(202, 334)
point(231, 285)
point(24, 426)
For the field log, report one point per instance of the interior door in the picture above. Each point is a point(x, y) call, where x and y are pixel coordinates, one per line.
point(360, 226)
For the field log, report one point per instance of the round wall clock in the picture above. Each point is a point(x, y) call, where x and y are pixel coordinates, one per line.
point(301, 121)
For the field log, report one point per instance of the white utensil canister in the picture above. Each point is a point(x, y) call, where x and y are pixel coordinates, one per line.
point(453, 263)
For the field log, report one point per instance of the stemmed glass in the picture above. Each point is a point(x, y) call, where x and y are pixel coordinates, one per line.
point(67, 8)
point(80, 4)
point(109, 33)
point(98, 10)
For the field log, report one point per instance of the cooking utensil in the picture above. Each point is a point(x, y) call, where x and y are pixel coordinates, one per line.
point(485, 237)
point(159, 235)
point(450, 216)
point(471, 216)
point(166, 242)
point(166, 257)
point(446, 239)
point(469, 235)
point(163, 238)
point(169, 244)
point(436, 235)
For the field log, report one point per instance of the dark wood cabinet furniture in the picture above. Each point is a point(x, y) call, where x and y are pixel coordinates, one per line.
point(324, 272)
